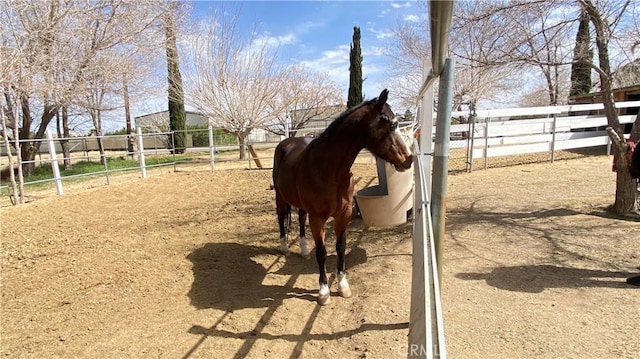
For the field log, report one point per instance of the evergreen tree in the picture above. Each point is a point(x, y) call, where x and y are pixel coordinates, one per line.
point(355, 71)
point(177, 115)
point(582, 58)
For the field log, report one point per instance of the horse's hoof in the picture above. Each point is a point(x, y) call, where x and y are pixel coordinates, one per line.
point(345, 292)
point(306, 256)
point(324, 299)
point(285, 251)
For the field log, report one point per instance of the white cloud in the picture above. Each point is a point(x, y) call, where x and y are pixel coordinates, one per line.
point(374, 51)
point(335, 63)
point(381, 34)
point(396, 5)
point(275, 41)
point(412, 18)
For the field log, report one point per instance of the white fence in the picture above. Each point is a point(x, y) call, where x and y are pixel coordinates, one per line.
point(490, 133)
point(494, 133)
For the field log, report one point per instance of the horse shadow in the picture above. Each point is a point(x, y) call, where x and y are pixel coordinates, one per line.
point(537, 278)
point(226, 276)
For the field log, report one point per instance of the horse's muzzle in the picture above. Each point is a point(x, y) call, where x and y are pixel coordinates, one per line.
point(403, 166)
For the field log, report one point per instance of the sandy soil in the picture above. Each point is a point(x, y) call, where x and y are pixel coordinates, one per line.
point(184, 264)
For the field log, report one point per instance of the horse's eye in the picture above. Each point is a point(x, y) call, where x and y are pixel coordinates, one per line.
point(394, 125)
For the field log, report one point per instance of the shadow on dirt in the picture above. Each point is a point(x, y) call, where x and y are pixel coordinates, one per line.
point(227, 277)
point(537, 278)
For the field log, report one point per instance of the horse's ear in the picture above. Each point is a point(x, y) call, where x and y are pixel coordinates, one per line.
point(382, 99)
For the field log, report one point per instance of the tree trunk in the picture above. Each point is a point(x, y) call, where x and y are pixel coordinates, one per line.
point(625, 185)
point(63, 134)
point(242, 140)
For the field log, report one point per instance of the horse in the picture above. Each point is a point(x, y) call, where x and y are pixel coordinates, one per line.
point(314, 175)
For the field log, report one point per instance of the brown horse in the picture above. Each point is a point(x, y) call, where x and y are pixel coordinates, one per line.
point(315, 177)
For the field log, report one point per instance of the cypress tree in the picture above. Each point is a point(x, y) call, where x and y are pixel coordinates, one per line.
point(582, 58)
point(355, 71)
point(177, 115)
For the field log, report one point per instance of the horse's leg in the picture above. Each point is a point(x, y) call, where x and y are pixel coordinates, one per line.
point(304, 250)
point(283, 209)
point(317, 230)
point(340, 227)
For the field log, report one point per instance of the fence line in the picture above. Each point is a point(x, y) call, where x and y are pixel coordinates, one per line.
point(488, 134)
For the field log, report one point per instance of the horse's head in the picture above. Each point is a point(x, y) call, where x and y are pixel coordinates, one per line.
point(382, 136)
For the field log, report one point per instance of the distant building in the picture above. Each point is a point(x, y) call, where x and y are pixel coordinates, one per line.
point(159, 122)
point(320, 120)
point(629, 93)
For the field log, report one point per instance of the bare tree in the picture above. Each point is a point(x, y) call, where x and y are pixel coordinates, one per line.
point(539, 37)
point(58, 44)
point(472, 43)
point(235, 81)
point(407, 52)
point(604, 21)
point(306, 97)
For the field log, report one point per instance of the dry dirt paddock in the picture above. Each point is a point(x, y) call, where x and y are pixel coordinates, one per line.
point(184, 265)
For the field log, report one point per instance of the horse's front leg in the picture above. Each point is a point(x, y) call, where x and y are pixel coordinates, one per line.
point(317, 229)
point(340, 227)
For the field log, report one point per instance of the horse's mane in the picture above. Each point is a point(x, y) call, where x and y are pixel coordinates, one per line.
point(335, 124)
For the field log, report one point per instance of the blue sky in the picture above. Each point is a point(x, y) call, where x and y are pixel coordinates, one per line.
point(319, 33)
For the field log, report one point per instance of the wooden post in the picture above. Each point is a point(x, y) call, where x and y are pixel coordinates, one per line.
point(254, 155)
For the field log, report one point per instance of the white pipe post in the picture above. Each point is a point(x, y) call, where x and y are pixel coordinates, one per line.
point(54, 163)
point(441, 157)
point(143, 166)
point(553, 138)
point(420, 344)
point(426, 127)
point(212, 149)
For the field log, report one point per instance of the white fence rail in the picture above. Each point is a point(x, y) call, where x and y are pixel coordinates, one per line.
point(494, 133)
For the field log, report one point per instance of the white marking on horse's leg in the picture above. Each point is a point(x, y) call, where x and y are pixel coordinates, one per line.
point(343, 285)
point(284, 247)
point(304, 250)
point(324, 294)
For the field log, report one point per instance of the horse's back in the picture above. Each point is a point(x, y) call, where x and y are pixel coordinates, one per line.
point(287, 152)
point(286, 161)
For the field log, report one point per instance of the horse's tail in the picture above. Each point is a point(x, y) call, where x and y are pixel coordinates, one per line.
point(287, 219)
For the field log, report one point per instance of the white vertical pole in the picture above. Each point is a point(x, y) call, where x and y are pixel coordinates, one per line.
point(553, 138)
point(54, 163)
point(426, 127)
point(420, 345)
point(212, 149)
point(143, 166)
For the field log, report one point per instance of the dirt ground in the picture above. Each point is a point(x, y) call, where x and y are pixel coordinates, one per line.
point(184, 265)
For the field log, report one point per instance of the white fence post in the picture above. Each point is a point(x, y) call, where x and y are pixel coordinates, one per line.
point(143, 167)
point(553, 138)
point(212, 149)
point(54, 163)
